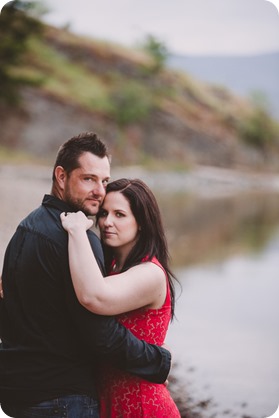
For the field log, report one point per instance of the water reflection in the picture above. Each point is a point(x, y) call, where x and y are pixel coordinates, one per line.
point(226, 340)
point(207, 229)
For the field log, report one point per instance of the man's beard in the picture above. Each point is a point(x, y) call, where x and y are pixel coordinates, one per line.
point(79, 205)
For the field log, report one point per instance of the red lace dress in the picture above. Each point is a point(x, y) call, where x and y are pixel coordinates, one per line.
point(123, 395)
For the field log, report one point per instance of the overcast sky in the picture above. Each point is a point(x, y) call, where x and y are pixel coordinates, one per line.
point(185, 26)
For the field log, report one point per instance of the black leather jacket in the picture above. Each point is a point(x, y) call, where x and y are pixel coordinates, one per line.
point(50, 343)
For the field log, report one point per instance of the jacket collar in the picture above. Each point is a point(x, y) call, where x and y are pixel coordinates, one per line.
point(52, 201)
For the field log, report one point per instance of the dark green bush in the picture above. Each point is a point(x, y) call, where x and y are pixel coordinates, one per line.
point(158, 52)
point(258, 128)
point(130, 103)
point(16, 26)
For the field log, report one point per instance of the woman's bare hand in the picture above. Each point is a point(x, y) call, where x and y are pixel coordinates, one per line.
point(72, 221)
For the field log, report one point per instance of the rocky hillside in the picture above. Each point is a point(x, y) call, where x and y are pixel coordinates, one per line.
point(247, 75)
point(146, 116)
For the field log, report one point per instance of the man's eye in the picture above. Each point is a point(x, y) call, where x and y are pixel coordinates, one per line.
point(105, 183)
point(102, 214)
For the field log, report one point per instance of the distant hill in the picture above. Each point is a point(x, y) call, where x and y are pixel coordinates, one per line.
point(241, 74)
point(147, 115)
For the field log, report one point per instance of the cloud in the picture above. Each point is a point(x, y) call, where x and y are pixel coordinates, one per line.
point(185, 26)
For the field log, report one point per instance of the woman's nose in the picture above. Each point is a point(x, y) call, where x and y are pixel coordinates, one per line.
point(108, 220)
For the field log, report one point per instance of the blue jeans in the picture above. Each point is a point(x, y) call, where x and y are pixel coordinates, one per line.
point(71, 406)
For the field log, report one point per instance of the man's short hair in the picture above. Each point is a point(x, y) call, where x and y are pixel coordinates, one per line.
point(69, 153)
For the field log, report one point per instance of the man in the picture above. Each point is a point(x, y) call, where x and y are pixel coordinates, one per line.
point(50, 343)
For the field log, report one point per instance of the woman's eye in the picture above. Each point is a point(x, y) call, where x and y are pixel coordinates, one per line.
point(119, 215)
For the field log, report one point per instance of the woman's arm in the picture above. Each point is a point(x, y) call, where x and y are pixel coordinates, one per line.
point(140, 286)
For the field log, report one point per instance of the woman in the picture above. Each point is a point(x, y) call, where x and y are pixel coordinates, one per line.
point(140, 293)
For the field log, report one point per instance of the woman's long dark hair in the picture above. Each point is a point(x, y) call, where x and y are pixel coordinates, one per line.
point(151, 240)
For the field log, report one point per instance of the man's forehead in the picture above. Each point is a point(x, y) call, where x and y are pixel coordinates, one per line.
point(93, 164)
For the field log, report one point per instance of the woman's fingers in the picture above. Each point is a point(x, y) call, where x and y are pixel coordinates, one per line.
point(72, 220)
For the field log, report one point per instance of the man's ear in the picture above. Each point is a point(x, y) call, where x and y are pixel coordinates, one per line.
point(60, 175)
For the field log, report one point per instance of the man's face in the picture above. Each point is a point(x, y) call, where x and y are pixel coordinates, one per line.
point(85, 187)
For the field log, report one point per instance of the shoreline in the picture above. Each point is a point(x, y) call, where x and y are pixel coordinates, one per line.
point(203, 181)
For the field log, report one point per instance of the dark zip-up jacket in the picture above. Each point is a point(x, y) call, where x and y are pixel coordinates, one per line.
point(50, 343)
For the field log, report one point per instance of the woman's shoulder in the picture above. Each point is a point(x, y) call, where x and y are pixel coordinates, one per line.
point(153, 260)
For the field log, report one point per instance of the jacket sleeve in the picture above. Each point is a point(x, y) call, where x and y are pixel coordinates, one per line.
point(104, 336)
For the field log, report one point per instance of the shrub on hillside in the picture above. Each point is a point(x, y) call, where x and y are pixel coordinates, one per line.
point(130, 103)
point(16, 26)
point(258, 128)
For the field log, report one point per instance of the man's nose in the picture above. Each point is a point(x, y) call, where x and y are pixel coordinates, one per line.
point(99, 189)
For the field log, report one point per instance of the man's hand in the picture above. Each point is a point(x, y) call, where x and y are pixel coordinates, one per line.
point(1, 289)
point(167, 348)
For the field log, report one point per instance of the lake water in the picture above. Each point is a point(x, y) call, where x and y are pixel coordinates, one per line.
point(225, 340)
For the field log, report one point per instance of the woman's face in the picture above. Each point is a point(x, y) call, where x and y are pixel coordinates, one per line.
point(118, 226)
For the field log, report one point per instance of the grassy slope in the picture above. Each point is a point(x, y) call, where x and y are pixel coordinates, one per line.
point(62, 63)
point(119, 85)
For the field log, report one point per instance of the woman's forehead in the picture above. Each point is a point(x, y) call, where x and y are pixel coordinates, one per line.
point(116, 199)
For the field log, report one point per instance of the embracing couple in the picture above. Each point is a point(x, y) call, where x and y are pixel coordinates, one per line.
point(83, 321)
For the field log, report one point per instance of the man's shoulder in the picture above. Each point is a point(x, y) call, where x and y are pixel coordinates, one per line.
point(44, 222)
point(93, 238)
